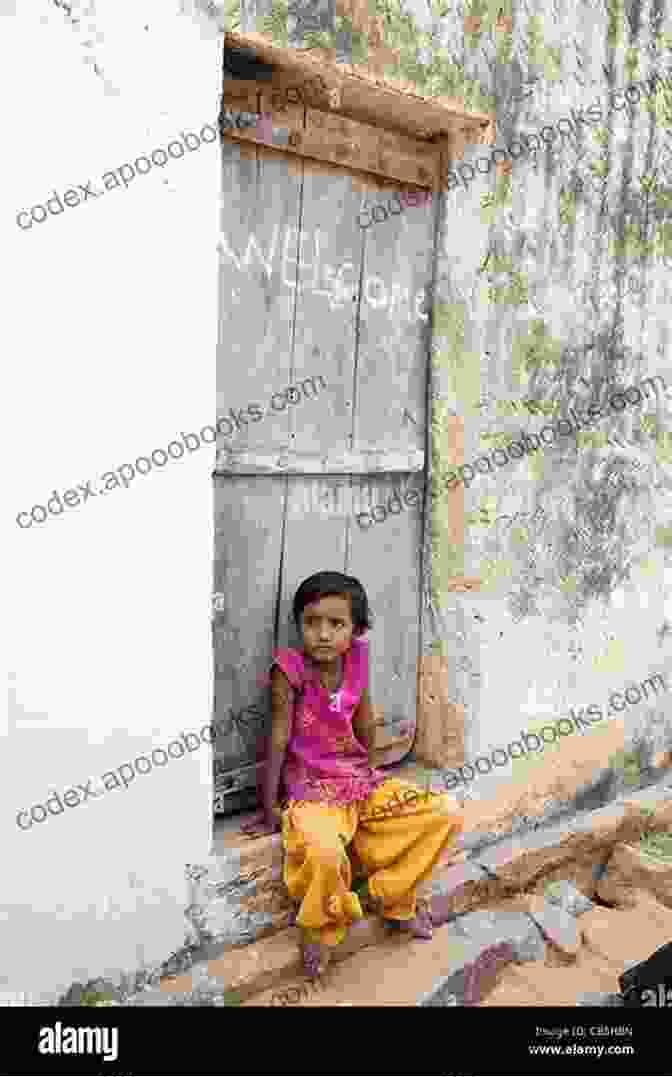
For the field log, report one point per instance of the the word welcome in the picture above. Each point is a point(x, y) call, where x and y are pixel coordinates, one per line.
point(578, 720)
point(175, 452)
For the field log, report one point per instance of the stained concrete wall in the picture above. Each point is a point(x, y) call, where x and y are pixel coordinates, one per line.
point(528, 303)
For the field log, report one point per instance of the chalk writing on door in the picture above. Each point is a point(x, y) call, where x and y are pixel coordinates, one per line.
point(298, 260)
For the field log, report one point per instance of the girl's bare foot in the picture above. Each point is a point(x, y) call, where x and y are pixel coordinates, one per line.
point(315, 959)
point(421, 926)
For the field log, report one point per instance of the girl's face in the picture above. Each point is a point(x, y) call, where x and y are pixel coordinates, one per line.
point(327, 628)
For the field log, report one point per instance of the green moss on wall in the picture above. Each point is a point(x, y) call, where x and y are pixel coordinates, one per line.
point(463, 366)
point(664, 449)
point(494, 572)
point(567, 208)
point(439, 77)
point(515, 293)
point(663, 536)
point(631, 64)
point(476, 9)
point(495, 441)
point(521, 765)
point(662, 243)
point(231, 16)
point(616, 22)
point(504, 52)
point(627, 765)
point(490, 203)
point(657, 846)
point(447, 559)
point(535, 40)
point(533, 347)
point(552, 64)
point(591, 439)
point(274, 25)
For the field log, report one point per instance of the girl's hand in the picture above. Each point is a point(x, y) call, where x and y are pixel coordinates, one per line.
point(262, 823)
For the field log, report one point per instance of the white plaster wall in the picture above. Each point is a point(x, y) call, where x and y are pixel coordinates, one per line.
point(110, 313)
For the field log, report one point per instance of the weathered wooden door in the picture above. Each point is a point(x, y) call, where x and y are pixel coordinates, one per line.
point(312, 303)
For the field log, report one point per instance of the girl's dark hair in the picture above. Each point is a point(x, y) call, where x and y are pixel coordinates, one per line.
point(334, 583)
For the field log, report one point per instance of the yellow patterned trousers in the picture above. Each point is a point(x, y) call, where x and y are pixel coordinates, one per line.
point(398, 835)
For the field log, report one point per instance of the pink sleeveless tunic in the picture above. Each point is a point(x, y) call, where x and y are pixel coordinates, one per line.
point(324, 759)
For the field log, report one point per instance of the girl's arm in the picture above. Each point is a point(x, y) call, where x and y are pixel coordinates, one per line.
point(281, 702)
point(364, 725)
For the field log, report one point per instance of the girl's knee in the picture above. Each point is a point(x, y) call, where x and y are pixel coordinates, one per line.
point(327, 855)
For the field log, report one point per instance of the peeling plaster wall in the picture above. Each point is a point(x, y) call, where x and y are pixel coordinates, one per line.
point(527, 302)
point(111, 311)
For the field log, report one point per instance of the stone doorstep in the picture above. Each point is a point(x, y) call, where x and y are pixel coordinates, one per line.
point(394, 973)
point(263, 966)
point(268, 963)
point(459, 888)
point(256, 970)
point(241, 897)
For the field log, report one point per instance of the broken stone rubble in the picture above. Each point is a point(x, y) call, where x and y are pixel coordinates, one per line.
point(463, 887)
point(630, 869)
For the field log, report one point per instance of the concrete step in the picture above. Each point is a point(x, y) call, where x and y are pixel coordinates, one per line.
point(398, 971)
point(553, 985)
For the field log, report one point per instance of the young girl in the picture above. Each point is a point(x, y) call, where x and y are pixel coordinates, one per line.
point(322, 744)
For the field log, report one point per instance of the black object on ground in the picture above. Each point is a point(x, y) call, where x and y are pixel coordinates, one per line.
point(656, 970)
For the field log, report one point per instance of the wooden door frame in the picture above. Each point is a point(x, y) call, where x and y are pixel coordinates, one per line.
point(429, 134)
point(376, 132)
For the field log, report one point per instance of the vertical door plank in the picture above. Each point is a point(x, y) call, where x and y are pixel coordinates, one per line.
point(248, 530)
point(385, 557)
point(260, 204)
point(314, 542)
point(391, 380)
point(326, 312)
point(393, 340)
point(324, 343)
